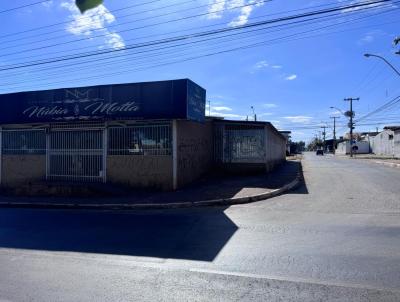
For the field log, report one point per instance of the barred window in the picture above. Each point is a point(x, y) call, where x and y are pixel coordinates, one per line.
point(140, 140)
point(23, 142)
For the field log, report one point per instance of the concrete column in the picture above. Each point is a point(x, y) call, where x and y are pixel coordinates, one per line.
point(47, 134)
point(105, 149)
point(174, 155)
point(1, 154)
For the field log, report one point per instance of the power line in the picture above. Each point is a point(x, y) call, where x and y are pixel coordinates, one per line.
point(179, 61)
point(110, 26)
point(289, 37)
point(180, 38)
point(137, 5)
point(66, 22)
point(135, 28)
point(276, 27)
point(179, 31)
point(23, 6)
point(385, 106)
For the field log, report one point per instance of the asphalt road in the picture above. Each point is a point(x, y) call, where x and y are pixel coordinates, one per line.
point(335, 239)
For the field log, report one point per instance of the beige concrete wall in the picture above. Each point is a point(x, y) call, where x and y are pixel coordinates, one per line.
point(22, 169)
point(397, 143)
point(382, 145)
point(275, 148)
point(140, 171)
point(194, 150)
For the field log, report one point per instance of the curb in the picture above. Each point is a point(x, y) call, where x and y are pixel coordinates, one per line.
point(206, 203)
point(393, 165)
point(374, 161)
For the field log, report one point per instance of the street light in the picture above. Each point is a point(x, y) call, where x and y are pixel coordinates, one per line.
point(367, 55)
point(338, 110)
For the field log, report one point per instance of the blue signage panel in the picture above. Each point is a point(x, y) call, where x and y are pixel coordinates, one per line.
point(151, 100)
point(196, 102)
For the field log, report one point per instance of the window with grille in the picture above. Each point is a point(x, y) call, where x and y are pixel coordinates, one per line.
point(140, 140)
point(23, 142)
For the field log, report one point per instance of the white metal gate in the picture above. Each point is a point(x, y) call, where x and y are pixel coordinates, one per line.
point(76, 155)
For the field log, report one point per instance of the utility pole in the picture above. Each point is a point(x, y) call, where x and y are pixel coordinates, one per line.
point(350, 114)
point(254, 113)
point(334, 133)
point(323, 135)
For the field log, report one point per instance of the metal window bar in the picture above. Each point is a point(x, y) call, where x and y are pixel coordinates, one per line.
point(76, 155)
point(239, 143)
point(140, 140)
point(23, 141)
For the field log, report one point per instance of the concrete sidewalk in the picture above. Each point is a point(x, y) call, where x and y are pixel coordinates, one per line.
point(376, 159)
point(211, 190)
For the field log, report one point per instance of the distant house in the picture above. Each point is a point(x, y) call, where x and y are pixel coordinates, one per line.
point(286, 134)
point(362, 147)
point(387, 142)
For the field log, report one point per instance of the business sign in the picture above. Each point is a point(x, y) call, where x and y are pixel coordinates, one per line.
point(196, 102)
point(179, 99)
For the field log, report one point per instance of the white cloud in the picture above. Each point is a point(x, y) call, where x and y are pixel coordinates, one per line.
point(264, 114)
point(261, 64)
point(218, 8)
point(215, 9)
point(227, 115)
point(367, 39)
point(243, 18)
point(92, 22)
point(370, 36)
point(297, 133)
point(355, 2)
point(291, 77)
point(221, 108)
point(302, 119)
point(336, 112)
point(269, 105)
point(276, 66)
point(48, 3)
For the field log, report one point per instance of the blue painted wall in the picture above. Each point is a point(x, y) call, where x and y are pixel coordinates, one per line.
point(177, 99)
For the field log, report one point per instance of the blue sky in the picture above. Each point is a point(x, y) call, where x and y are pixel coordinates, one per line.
point(289, 81)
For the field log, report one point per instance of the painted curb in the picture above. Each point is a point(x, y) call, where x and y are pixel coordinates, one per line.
point(206, 203)
point(388, 164)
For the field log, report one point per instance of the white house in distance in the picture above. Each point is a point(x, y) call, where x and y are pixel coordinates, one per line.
point(387, 143)
point(361, 146)
point(286, 134)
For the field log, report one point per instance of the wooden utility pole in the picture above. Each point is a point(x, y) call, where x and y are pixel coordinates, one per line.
point(350, 114)
point(323, 135)
point(334, 133)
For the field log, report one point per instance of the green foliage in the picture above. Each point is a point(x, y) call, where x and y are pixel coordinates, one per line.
point(315, 144)
point(85, 5)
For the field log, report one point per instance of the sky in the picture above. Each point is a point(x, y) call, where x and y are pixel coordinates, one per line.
point(290, 72)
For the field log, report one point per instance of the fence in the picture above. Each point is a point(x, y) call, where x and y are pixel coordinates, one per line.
point(75, 154)
point(78, 151)
point(22, 141)
point(235, 143)
point(140, 140)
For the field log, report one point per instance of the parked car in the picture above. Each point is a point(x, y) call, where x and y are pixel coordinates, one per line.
point(320, 152)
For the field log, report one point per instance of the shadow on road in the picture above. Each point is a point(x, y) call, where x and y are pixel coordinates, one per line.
point(302, 187)
point(178, 234)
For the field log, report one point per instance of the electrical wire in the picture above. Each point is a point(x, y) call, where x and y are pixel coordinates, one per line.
point(178, 38)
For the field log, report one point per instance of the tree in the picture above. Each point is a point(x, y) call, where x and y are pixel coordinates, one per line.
point(85, 5)
point(297, 147)
point(315, 144)
point(356, 136)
